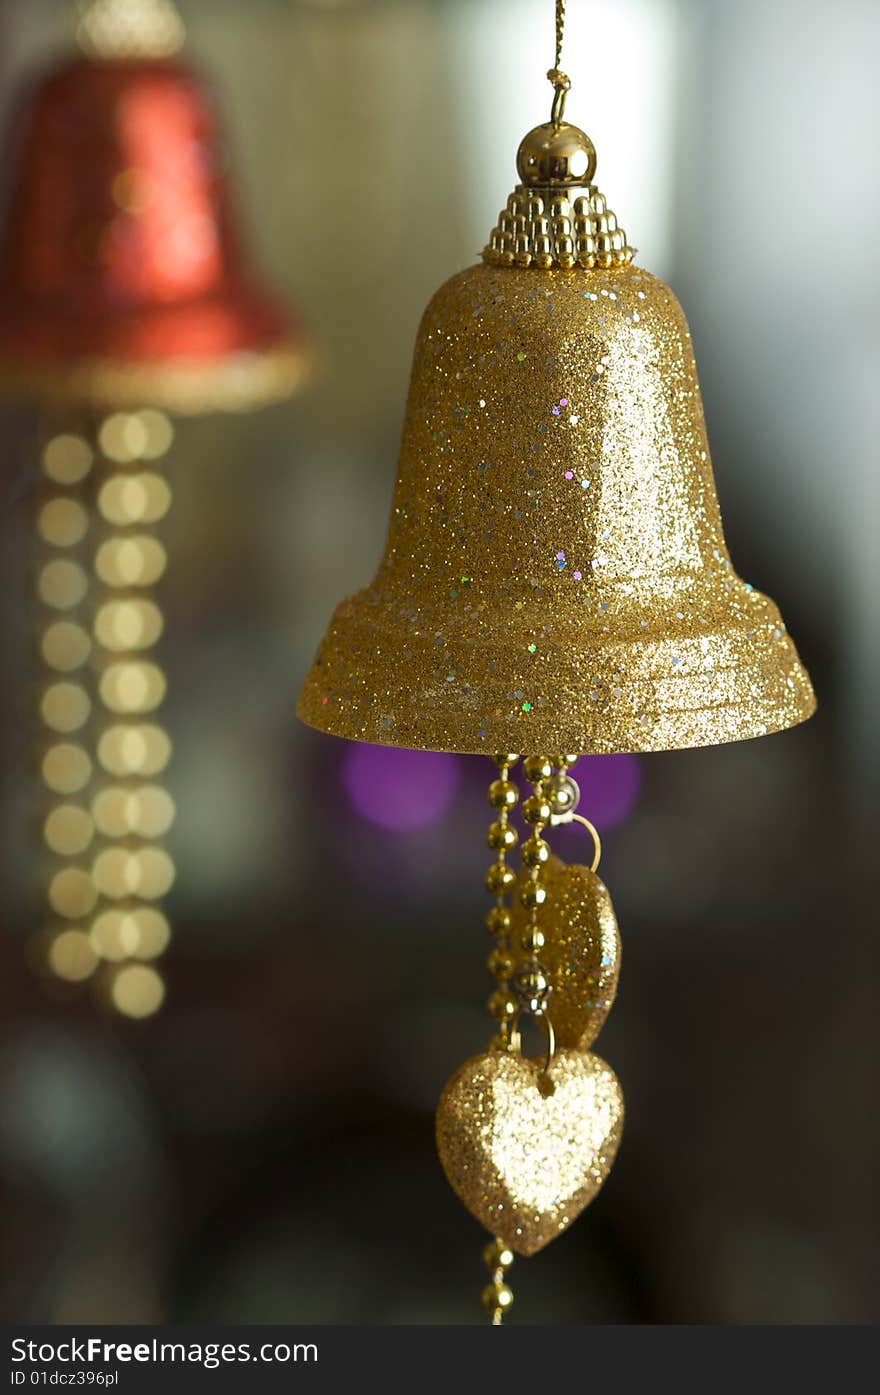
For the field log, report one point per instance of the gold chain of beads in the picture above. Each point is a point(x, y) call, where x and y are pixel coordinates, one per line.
point(502, 838)
point(497, 1295)
point(531, 984)
point(529, 988)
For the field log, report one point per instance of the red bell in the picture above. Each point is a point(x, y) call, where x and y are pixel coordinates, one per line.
point(122, 278)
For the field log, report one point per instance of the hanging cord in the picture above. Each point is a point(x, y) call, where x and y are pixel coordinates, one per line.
point(560, 29)
point(560, 80)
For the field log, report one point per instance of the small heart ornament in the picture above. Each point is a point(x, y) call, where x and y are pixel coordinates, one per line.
point(581, 954)
point(524, 1151)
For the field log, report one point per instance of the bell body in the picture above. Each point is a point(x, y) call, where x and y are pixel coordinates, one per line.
point(119, 250)
point(555, 575)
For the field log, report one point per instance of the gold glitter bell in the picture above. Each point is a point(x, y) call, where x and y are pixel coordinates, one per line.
point(555, 574)
point(555, 579)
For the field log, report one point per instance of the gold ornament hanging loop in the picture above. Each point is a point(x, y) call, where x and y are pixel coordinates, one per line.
point(561, 88)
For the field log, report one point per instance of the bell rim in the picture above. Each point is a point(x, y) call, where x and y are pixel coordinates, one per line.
point(770, 662)
point(186, 386)
point(549, 738)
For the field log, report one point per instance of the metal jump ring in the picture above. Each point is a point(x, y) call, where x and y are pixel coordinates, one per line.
point(550, 1050)
point(594, 834)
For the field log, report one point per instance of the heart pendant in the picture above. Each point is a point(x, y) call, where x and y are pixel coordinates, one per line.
point(581, 954)
point(524, 1152)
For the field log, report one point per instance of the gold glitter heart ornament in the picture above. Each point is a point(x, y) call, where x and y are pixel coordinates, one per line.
point(526, 1162)
point(581, 954)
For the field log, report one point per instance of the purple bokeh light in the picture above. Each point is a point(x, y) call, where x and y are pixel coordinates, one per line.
point(398, 789)
point(609, 788)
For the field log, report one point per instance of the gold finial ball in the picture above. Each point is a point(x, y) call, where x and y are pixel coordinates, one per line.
point(551, 154)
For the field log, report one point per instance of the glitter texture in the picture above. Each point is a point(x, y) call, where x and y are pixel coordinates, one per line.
point(659, 644)
point(524, 1162)
point(581, 953)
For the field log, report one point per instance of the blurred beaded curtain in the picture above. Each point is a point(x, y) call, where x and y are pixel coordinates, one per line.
point(125, 297)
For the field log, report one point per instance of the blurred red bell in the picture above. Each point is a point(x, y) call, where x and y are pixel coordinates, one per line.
point(122, 278)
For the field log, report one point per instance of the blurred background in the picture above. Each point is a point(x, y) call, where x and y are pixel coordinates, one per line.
point(261, 1149)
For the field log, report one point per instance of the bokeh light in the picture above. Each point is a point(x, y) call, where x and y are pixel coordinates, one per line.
point(131, 932)
point(65, 707)
point(137, 561)
point(72, 893)
point(153, 933)
point(146, 812)
point(134, 750)
point(62, 584)
point(159, 433)
point(62, 522)
point(128, 499)
point(67, 459)
point(71, 956)
point(132, 686)
point(65, 646)
point(116, 873)
point(155, 873)
point(609, 787)
point(137, 990)
point(114, 935)
point(150, 811)
point(122, 872)
point(68, 830)
point(66, 768)
point(128, 624)
point(123, 437)
point(398, 789)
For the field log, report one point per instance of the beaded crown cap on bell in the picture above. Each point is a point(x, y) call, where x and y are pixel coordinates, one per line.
point(555, 574)
point(556, 216)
